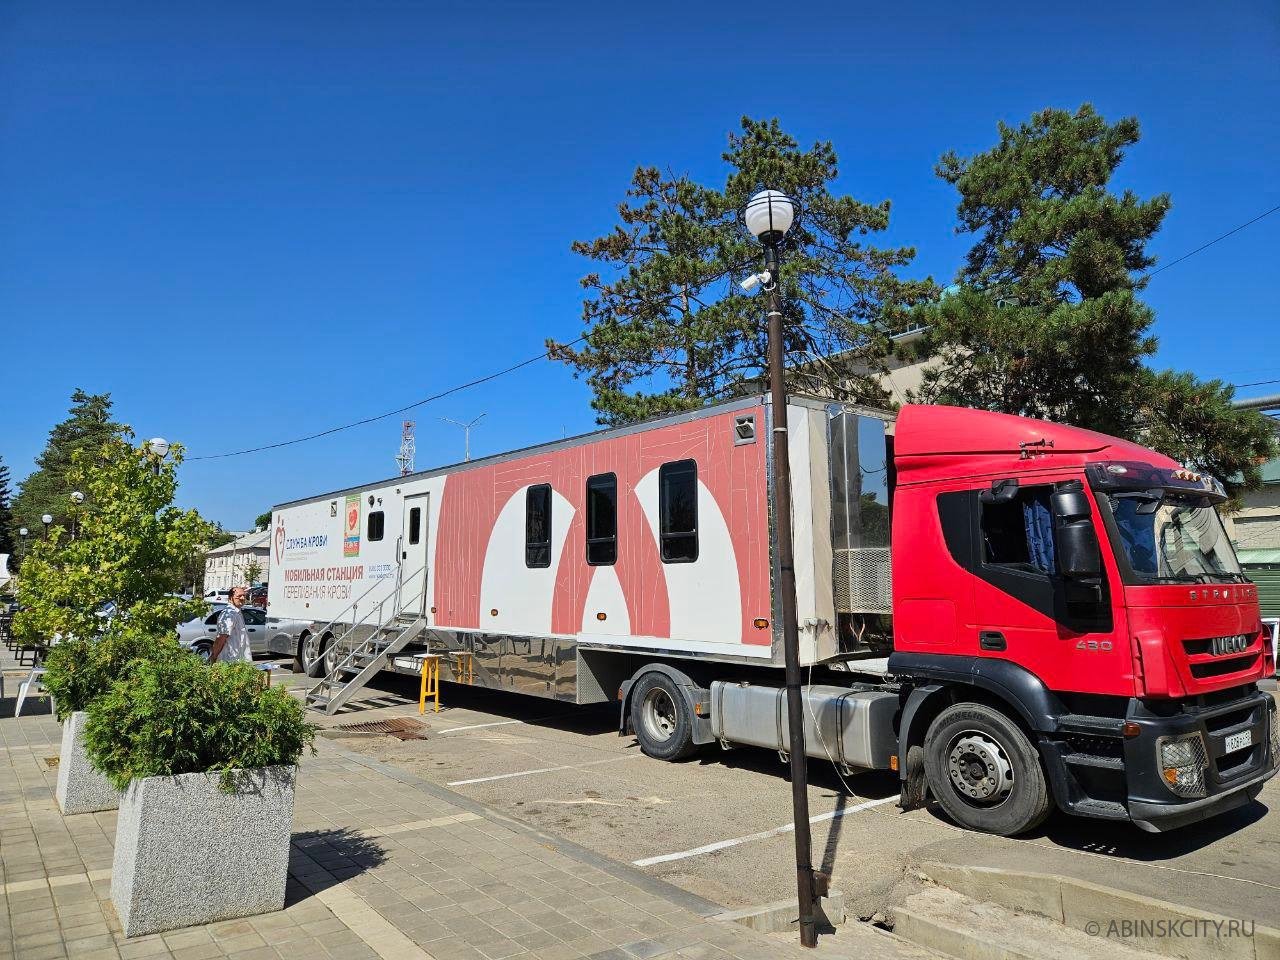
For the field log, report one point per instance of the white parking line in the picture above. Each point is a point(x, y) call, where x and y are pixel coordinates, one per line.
point(529, 773)
point(502, 723)
point(762, 835)
point(477, 726)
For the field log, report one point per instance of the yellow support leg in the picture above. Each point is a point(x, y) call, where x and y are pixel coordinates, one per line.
point(464, 667)
point(430, 683)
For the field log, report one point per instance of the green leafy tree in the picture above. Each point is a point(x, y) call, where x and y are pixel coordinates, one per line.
point(130, 540)
point(48, 488)
point(262, 521)
point(252, 571)
point(1046, 320)
point(669, 329)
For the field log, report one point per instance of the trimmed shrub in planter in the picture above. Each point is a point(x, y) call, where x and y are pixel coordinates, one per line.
point(206, 757)
point(80, 671)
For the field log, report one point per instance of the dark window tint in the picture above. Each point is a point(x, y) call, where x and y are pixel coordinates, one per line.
point(602, 519)
point(212, 618)
point(377, 525)
point(254, 618)
point(537, 526)
point(678, 511)
point(415, 525)
point(1019, 533)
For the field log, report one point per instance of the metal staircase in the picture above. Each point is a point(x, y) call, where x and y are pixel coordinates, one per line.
point(391, 633)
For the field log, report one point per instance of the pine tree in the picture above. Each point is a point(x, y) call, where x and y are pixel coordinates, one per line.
point(48, 488)
point(1046, 321)
point(6, 513)
point(671, 330)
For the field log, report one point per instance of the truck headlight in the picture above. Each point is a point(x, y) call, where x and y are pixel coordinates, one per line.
point(1183, 761)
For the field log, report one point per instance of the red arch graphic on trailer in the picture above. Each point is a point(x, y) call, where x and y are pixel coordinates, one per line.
point(733, 475)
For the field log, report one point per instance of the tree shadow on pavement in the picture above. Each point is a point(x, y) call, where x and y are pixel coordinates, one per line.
point(320, 859)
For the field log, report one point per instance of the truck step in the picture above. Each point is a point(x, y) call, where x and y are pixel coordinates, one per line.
point(1095, 761)
point(1103, 809)
point(1096, 726)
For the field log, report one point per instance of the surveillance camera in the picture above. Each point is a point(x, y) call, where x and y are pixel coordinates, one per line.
point(755, 280)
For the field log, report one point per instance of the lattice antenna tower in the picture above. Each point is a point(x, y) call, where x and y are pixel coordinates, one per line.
point(407, 449)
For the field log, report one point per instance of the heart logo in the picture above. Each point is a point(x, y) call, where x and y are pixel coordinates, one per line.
point(280, 540)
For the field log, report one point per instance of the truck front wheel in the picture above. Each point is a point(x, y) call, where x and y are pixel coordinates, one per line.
point(984, 771)
point(661, 718)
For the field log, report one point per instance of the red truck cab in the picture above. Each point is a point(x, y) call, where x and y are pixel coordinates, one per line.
point(1083, 588)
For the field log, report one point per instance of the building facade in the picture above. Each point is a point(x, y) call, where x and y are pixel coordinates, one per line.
point(1255, 530)
point(228, 566)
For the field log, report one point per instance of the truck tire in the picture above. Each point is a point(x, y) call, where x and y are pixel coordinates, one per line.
point(661, 718)
point(984, 771)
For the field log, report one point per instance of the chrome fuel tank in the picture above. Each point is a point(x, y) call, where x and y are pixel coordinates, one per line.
point(851, 728)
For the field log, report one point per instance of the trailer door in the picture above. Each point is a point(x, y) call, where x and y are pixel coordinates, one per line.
point(413, 555)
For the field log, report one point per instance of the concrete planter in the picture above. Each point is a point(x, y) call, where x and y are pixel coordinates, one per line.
point(81, 789)
point(187, 853)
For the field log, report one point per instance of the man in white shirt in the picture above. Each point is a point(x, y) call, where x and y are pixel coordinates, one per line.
point(232, 644)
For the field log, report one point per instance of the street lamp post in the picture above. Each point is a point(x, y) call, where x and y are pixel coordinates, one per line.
point(46, 519)
point(160, 447)
point(466, 432)
point(77, 498)
point(769, 215)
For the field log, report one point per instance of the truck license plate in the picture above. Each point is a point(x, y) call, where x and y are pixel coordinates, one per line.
point(1238, 741)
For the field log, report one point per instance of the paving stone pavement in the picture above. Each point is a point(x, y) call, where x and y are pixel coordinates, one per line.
point(383, 865)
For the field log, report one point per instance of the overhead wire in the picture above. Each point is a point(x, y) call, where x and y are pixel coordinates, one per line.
point(546, 354)
point(1206, 246)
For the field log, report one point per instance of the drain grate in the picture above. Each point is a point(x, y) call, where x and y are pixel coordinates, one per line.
point(402, 728)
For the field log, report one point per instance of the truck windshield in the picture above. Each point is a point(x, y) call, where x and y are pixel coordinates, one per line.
point(1177, 540)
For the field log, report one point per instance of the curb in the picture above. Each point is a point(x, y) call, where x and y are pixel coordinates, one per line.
point(782, 915)
point(1112, 915)
point(621, 871)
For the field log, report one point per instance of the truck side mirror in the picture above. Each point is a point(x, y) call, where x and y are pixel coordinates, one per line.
point(1079, 553)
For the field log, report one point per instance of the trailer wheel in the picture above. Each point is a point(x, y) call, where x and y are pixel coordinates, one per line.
point(660, 718)
point(299, 659)
point(313, 651)
point(984, 771)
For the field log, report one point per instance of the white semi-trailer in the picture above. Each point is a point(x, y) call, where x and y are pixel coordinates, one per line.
point(1066, 622)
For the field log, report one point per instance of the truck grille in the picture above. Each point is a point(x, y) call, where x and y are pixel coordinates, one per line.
point(862, 580)
point(1218, 656)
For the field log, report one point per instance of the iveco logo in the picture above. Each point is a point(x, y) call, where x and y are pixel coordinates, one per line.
point(1221, 646)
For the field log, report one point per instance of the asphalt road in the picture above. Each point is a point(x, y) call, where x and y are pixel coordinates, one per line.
point(716, 824)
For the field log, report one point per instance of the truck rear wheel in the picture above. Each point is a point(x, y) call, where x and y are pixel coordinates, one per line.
point(661, 718)
point(984, 771)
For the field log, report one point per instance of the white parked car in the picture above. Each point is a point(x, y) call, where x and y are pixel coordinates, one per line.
point(266, 634)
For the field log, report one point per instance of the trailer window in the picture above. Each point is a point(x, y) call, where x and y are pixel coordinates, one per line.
point(1019, 533)
point(602, 519)
point(678, 511)
point(415, 525)
point(537, 526)
point(377, 526)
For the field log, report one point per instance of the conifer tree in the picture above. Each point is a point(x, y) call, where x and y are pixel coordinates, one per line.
point(7, 532)
point(669, 329)
point(1046, 319)
point(48, 488)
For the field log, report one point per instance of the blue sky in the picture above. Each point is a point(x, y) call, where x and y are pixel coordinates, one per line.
point(252, 221)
